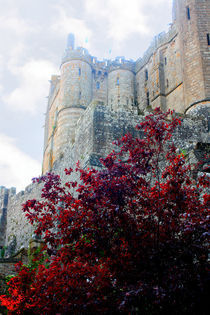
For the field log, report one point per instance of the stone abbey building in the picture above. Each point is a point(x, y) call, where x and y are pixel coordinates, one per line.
point(173, 73)
point(91, 103)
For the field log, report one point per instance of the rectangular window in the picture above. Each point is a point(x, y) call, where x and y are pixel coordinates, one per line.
point(188, 13)
point(146, 75)
point(208, 39)
point(79, 72)
point(147, 98)
point(98, 85)
point(165, 61)
point(118, 81)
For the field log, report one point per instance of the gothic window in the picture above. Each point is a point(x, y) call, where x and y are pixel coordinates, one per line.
point(147, 98)
point(188, 13)
point(98, 85)
point(208, 39)
point(118, 81)
point(79, 71)
point(146, 75)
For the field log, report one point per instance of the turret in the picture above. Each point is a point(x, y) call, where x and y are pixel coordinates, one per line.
point(121, 79)
point(69, 102)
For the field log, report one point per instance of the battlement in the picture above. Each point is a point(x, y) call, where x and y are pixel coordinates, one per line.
point(108, 65)
point(79, 53)
point(158, 41)
point(121, 63)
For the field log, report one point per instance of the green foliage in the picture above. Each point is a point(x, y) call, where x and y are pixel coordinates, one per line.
point(2, 253)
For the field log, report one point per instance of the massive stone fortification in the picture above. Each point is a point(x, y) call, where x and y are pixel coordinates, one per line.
point(173, 73)
point(91, 103)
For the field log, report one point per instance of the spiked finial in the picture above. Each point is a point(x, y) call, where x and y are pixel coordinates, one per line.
point(70, 41)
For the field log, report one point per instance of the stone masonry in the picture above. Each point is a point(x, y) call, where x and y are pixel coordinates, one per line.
point(92, 103)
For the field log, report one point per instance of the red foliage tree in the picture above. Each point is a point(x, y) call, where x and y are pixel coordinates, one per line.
point(128, 239)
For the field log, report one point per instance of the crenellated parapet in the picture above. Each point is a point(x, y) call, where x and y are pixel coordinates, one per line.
point(79, 53)
point(157, 42)
point(122, 64)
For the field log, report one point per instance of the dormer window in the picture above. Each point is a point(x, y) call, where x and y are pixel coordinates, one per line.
point(188, 13)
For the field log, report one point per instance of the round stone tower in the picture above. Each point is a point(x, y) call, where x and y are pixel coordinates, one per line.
point(75, 94)
point(121, 85)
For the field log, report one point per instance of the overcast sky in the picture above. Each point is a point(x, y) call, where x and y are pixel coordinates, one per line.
point(33, 39)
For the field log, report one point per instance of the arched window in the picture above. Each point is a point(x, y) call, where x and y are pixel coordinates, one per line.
point(98, 85)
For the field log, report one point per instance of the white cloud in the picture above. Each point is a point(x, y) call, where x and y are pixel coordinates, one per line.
point(11, 22)
point(33, 86)
point(1, 66)
point(16, 168)
point(123, 17)
point(65, 24)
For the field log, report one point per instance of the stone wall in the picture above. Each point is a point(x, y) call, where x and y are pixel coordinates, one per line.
point(96, 130)
point(92, 103)
point(7, 267)
point(19, 231)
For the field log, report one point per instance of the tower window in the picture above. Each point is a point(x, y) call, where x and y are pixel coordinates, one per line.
point(167, 83)
point(188, 13)
point(165, 61)
point(79, 71)
point(146, 75)
point(98, 85)
point(118, 81)
point(208, 39)
point(147, 98)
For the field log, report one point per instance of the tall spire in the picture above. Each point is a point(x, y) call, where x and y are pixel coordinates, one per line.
point(70, 41)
